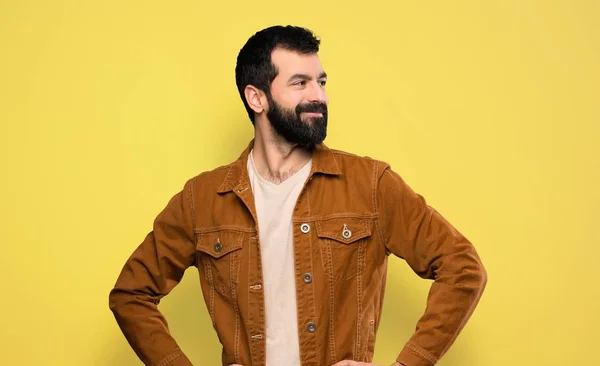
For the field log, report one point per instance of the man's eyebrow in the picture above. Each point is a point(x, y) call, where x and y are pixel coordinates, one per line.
point(299, 76)
point(306, 77)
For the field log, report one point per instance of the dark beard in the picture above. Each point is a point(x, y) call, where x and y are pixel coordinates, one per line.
point(287, 123)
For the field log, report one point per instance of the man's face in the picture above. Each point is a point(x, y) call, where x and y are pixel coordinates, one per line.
point(298, 103)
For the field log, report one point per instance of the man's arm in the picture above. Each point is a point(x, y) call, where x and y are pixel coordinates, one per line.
point(435, 250)
point(150, 273)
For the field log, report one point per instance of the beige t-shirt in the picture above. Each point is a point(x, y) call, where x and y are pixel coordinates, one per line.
point(274, 207)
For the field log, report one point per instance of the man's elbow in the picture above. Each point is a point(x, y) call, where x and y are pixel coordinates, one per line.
point(473, 275)
point(478, 276)
point(116, 300)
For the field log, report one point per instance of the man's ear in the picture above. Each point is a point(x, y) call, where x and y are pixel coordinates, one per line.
point(255, 98)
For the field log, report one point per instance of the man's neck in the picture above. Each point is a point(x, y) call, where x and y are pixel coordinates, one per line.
point(276, 159)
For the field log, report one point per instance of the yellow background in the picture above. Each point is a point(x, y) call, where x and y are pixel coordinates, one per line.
point(489, 109)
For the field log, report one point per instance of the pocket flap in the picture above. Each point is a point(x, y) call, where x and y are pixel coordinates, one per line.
point(219, 243)
point(344, 230)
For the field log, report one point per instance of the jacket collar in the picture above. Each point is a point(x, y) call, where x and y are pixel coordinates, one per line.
point(323, 161)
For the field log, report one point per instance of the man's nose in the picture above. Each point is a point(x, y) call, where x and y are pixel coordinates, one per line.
point(317, 93)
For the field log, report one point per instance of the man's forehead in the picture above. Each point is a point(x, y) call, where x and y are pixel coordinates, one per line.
point(291, 62)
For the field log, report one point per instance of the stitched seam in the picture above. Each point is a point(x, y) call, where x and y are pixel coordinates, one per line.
point(191, 198)
point(376, 191)
point(379, 232)
point(251, 325)
point(165, 361)
point(211, 296)
point(221, 254)
point(248, 287)
point(331, 304)
point(421, 352)
point(361, 258)
point(206, 230)
point(359, 268)
point(364, 228)
point(261, 308)
point(312, 271)
point(381, 239)
point(377, 223)
point(233, 273)
point(312, 288)
point(359, 308)
point(374, 185)
point(298, 252)
point(355, 236)
point(340, 215)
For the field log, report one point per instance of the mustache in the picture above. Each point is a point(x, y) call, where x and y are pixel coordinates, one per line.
point(315, 107)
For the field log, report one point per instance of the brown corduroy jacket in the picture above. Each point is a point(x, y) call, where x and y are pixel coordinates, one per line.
point(352, 213)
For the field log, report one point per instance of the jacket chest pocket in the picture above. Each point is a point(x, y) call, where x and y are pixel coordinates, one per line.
point(220, 252)
point(342, 242)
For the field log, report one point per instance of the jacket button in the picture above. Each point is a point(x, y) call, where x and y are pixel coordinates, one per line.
point(218, 247)
point(346, 233)
point(305, 228)
point(311, 327)
point(307, 278)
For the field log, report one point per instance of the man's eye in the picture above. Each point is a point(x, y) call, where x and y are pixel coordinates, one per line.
point(300, 83)
point(323, 82)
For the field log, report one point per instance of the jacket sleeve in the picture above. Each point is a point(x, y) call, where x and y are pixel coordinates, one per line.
point(435, 250)
point(150, 273)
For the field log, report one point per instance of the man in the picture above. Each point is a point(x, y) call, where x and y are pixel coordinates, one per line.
point(291, 241)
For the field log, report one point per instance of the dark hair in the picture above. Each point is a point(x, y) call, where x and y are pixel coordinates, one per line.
point(254, 66)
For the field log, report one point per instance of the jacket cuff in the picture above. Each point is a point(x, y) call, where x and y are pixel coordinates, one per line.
point(176, 358)
point(412, 355)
